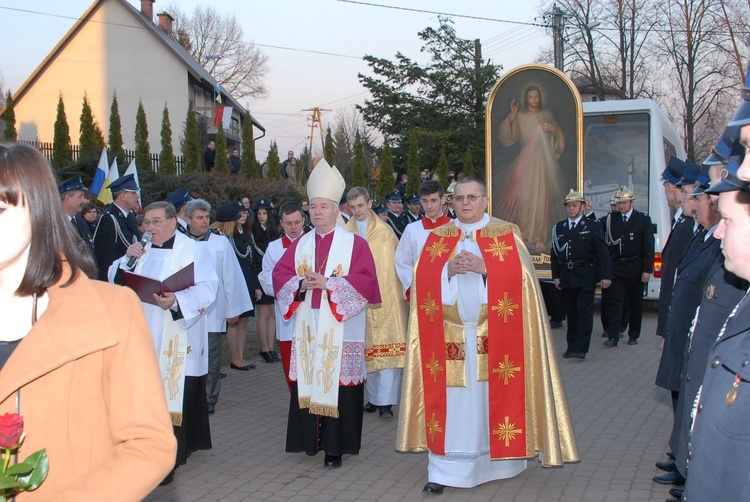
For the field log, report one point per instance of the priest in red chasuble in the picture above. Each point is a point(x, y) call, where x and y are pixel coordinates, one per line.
point(481, 391)
point(324, 282)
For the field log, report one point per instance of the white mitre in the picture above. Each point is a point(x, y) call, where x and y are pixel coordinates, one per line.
point(325, 182)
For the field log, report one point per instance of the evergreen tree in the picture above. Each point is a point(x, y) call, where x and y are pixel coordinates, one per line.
point(167, 162)
point(142, 148)
point(442, 170)
point(9, 117)
point(413, 166)
point(385, 181)
point(61, 154)
point(99, 138)
point(116, 148)
point(300, 172)
point(192, 147)
point(358, 166)
point(87, 139)
point(274, 165)
point(329, 149)
point(220, 164)
point(468, 163)
point(249, 164)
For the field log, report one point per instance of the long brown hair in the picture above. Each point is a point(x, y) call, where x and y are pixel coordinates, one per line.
point(26, 179)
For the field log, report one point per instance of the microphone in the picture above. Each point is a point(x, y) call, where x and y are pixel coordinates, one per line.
point(144, 240)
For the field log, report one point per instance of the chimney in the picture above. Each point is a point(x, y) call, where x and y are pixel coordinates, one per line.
point(147, 9)
point(165, 22)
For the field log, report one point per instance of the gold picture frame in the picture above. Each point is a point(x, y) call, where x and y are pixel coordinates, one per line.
point(534, 153)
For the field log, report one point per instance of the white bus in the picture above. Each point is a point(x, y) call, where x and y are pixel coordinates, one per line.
point(629, 143)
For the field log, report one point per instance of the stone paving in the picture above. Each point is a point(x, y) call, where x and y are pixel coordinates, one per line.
point(622, 422)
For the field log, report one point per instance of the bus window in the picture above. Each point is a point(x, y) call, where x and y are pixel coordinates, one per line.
point(669, 151)
point(616, 153)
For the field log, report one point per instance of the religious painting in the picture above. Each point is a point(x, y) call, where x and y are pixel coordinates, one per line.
point(534, 153)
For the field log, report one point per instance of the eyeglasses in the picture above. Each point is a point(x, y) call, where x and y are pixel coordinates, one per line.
point(157, 223)
point(471, 197)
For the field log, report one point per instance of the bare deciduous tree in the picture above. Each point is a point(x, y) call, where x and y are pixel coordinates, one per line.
point(217, 42)
point(701, 74)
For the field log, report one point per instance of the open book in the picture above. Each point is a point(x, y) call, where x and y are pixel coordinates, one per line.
point(145, 287)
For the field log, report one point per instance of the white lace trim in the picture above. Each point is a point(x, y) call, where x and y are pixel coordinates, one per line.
point(347, 300)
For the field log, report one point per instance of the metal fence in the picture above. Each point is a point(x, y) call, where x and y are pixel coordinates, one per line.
point(75, 150)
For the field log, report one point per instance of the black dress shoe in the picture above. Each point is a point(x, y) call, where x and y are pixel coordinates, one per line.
point(275, 356)
point(676, 493)
point(578, 355)
point(266, 356)
point(211, 408)
point(671, 455)
point(168, 479)
point(332, 461)
point(632, 341)
point(611, 342)
point(370, 408)
point(385, 411)
point(666, 466)
point(248, 367)
point(433, 488)
point(567, 354)
point(222, 376)
point(670, 478)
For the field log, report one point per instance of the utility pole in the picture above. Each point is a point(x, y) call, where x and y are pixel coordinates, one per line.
point(316, 122)
point(557, 18)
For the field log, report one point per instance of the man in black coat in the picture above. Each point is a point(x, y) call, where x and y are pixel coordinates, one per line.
point(691, 273)
point(677, 242)
point(580, 259)
point(209, 157)
point(718, 446)
point(72, 198)
point(395, 205)
point(117, 228)
point(630, 236)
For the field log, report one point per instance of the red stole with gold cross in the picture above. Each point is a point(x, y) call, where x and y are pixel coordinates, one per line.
point(504, 344)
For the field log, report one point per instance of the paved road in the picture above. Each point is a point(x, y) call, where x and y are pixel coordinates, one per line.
point(622, 423)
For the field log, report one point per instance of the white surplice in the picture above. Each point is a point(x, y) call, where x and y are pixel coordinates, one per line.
point(232, 297)
point(274, 252)
point(409, 248)
point(193, 301)
point(467, 443)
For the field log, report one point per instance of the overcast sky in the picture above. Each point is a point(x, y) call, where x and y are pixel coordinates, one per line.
point(298, 79)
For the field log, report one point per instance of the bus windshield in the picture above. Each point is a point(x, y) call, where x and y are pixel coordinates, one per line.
point(616, 153)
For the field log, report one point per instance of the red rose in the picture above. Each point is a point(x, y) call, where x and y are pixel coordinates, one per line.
point(11, 430)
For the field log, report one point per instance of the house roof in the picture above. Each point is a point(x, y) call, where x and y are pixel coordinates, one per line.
point(192, 66)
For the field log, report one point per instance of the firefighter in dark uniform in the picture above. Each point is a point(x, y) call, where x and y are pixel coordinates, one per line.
point(395, 205)
point(117, 228)
point(690, 275)
point(717, 466)
point(630, 236)
point(677, 242)
point(72, 190)
point(580, 259)
point(719, 294)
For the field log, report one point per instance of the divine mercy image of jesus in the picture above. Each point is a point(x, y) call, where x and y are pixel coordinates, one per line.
point(532, 169)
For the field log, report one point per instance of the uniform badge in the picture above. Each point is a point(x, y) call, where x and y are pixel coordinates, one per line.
point(711, 292)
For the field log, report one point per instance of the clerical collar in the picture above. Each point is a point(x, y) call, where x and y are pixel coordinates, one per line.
point(168, 244)
point(325, 234)
point(470, 227)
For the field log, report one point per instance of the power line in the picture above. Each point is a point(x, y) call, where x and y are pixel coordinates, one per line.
point(465, 16)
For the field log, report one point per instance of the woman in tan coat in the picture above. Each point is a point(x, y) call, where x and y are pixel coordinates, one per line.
point(76, 358)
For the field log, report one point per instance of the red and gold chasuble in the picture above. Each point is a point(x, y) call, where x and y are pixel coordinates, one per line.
point(500, 340)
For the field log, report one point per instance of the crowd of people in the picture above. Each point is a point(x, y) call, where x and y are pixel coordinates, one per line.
point(425, 304)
